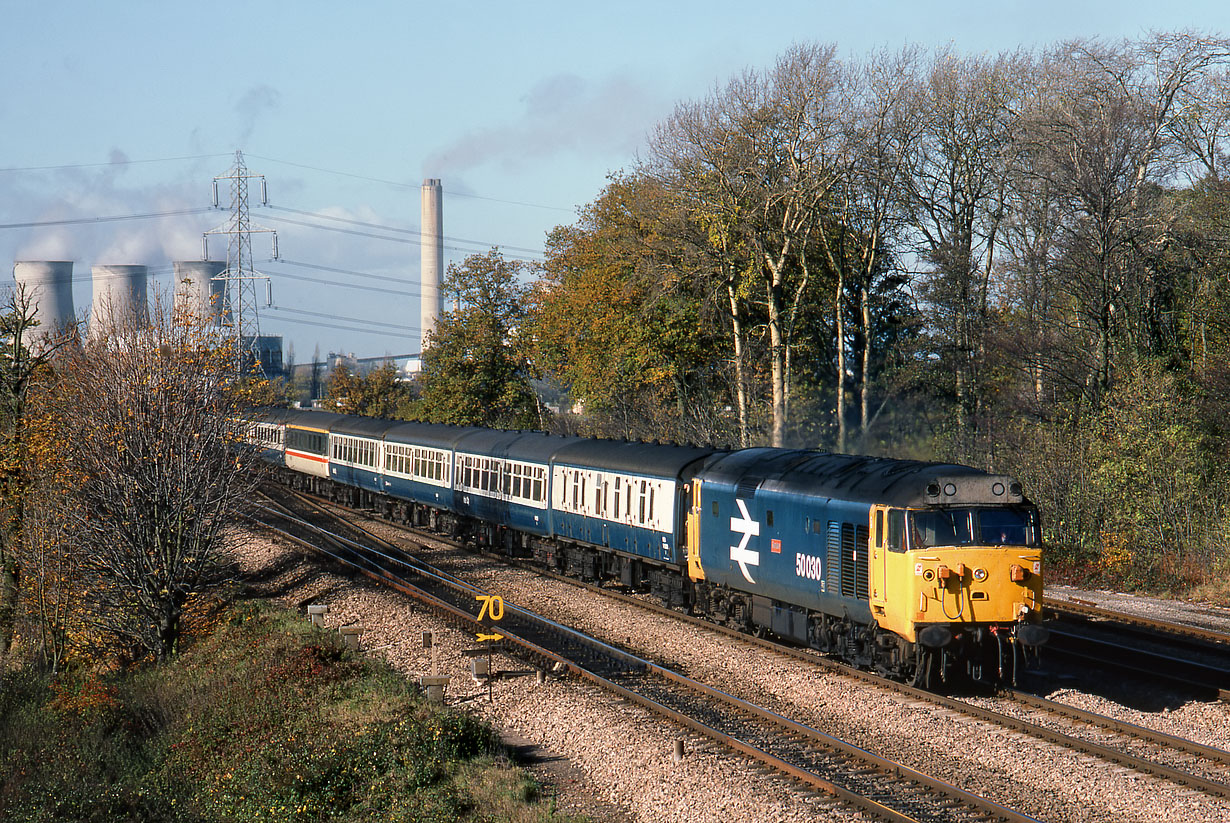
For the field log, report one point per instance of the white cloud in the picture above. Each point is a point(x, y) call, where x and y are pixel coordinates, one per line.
point(562, 113)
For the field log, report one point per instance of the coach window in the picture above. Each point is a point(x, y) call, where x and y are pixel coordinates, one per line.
point(768, 517)
point(896, 530)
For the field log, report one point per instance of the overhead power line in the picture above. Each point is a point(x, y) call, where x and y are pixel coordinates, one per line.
point(360, 324)
point(124, 162)
point(386, 278)
point(339, 284)
point(409, 240)
point(410, 231)
point(76, 221)
point(360, 320)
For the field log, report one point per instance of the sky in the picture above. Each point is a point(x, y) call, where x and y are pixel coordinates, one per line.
point(522, 110)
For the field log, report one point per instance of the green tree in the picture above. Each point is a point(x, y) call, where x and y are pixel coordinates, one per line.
point(380, 393)
point(475, 371)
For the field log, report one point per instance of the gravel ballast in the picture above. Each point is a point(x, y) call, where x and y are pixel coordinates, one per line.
point(624, 755)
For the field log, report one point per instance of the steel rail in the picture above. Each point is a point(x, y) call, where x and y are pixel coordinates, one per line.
point(1121, 757)
point(1151, 665)
point(1060, 608)
point(1113, 755)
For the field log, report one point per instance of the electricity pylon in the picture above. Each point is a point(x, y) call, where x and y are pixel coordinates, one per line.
point(240, 315)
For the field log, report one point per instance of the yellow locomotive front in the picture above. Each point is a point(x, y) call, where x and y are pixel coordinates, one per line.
point(961, 577)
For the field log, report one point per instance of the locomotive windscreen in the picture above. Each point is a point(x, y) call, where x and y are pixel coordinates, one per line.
point(965, 527)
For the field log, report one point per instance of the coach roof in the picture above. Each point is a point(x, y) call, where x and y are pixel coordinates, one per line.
point(631, 457)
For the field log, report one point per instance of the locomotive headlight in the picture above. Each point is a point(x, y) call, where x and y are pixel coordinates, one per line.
point(980, 574)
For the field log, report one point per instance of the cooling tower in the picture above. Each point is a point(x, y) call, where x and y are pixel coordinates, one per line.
point(197, 292)
point(48, 284)
point(431, 257)
point(119, 297)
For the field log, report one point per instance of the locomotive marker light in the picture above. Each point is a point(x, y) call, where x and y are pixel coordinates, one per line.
point(749, 528)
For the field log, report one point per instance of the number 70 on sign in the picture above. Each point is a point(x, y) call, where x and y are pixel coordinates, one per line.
point(493, 607)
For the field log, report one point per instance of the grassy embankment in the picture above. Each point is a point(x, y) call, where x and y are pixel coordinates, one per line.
point(266, 719)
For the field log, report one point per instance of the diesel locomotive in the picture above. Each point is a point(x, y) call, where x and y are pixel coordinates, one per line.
point(927, 572)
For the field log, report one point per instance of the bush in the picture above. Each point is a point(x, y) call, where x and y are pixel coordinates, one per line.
point(268, 719)
point(1134, 495)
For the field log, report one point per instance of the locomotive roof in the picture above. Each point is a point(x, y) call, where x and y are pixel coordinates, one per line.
point(903, 483)
point(632, 457)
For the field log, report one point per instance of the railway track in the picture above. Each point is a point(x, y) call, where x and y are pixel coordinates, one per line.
point(875, 785)
point(1192, 657)
point(1207, 769)
point(1183, 762)
point(1071, 607)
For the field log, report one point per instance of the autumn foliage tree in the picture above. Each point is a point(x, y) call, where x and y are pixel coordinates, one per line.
point(380, 393)
point(149, 427)
point(475, 371)
point(24, 353)
point(621, 323)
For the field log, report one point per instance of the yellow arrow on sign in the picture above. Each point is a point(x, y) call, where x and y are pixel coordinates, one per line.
point(491, 637)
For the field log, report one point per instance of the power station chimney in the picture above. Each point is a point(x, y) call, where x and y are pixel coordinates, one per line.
point(431, 259)
point(48, 284)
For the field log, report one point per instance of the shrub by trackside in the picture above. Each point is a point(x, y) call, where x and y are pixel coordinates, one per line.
point(267, 719)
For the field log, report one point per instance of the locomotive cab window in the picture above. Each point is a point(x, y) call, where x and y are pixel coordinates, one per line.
point(896, 530)
point(1006, 526)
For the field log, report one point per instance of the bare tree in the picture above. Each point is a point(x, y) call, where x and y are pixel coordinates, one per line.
point(1103, 135)
point(150, 415)
point(862, 219)
point(956, 193)
point(757, 160)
